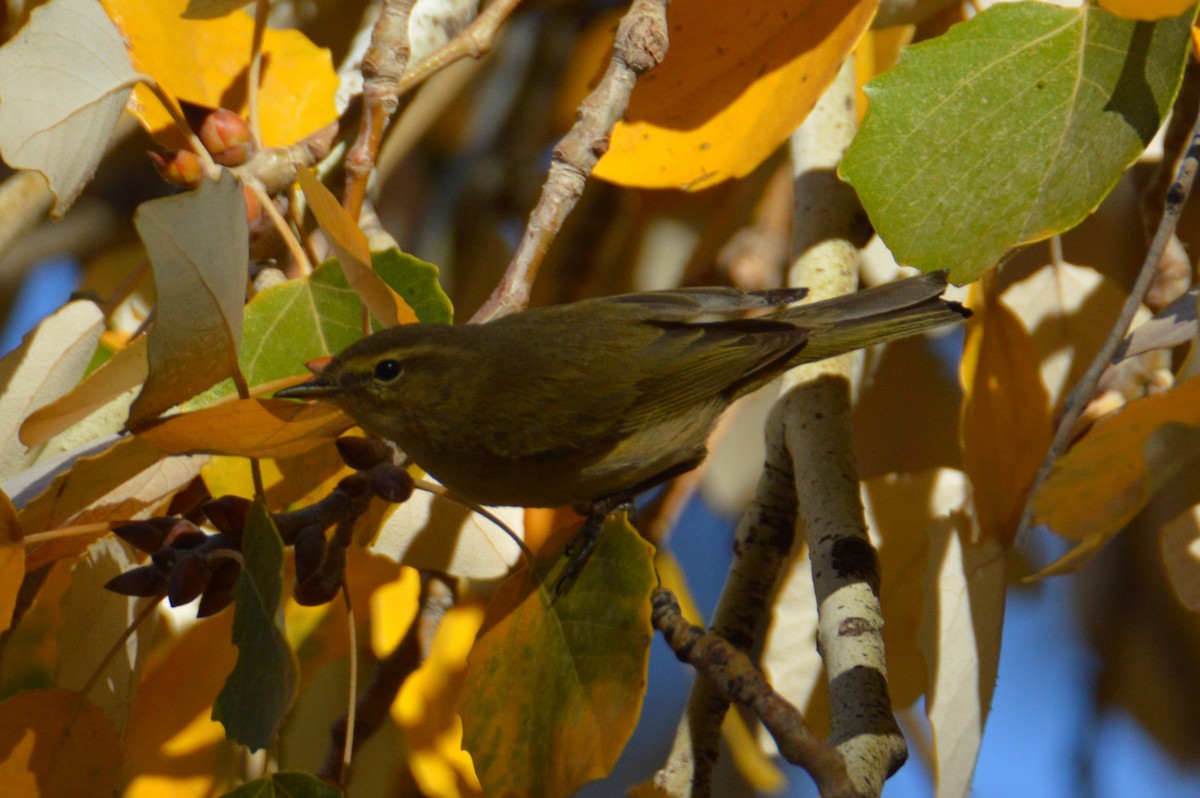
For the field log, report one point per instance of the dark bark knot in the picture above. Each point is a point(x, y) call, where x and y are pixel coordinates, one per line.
point(855, 559)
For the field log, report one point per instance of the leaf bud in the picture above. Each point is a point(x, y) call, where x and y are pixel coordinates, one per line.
point(227, 137)
point(219, 593)
point(362, 453)
point(178, 167)
point(187, 579)
point(148, 535)
point(228, 514)
point(143, 582)
point(310, 548)
point(392, 484)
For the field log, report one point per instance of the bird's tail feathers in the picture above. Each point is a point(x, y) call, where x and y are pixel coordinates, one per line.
point(876, 315)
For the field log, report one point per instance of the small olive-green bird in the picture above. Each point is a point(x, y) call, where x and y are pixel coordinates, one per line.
point(592, 402)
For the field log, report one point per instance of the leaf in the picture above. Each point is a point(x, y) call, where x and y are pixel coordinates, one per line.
point(1106, 478)
point(64, 80)
point(248, 428)
point(197, 246)
point(171, 746)
point(1068, 310)
point(1146, 9)
point(125, 481)
point(1032, 108)
point(1006, 427)
point(1180, 542)
point(57, 744)
point(426, 708)
point(93, 620)
point(205, 62)
point(45, 366)
point(210, 9)
point(12, 561)
point(736, 82)
point(294, 322)
point(126, 369)
point(260, 690)
point(435, 533)
point(354, 253)
point(554, 689)
point(285, 784)
point(964, 591)
point(1173, 325)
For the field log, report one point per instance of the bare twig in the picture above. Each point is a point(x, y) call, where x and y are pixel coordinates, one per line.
point(254, 74)
point(1081, 394)
point(736, 679)
point(640, 45)
point(382, 67)
point(474, 41)
point(374, 703)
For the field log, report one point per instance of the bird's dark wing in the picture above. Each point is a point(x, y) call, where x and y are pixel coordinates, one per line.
point(689, 304)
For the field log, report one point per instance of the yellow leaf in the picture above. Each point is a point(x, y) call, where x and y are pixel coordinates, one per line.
point(1146, 9)
point(426, 709)
point(12, 561)
point(248, 428)
point(87, 481)
point(737, 80)
point(354, 254)
point(393, 607)
point(1006, 427)
point(126, 369)
point(56, 744)
point(1106, 478)
point(205, 62)
point(172, 745)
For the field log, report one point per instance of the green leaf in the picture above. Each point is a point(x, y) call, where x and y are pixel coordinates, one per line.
point(1010, 128)
point(289, 324)
point(417, 282)
point(554, 688)
point(259, 691)
point(285, 784)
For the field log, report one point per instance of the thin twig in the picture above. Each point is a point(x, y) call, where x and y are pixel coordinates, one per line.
point(474, 41)
point(640, 45)
point(254, 74)
point(382, 67)
point(372, 707)
point(1081, 394)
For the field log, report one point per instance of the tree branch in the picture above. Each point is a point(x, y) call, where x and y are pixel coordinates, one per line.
point(640, 45)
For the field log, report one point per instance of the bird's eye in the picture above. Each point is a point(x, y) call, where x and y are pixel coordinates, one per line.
point(387, 370)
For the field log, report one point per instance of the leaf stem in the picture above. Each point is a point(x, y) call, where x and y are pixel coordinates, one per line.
point(1081, 394)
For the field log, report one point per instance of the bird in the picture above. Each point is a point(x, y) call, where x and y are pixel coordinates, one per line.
point(590, 403)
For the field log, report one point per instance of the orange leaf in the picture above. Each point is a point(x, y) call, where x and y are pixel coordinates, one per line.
point(205, 62)
point(1109, 476)
point(12, 561)
point(354, 253)
point(1006, 427)
point(248, 428)
point(55, 743)
point(1146, 9)
point(737, 80)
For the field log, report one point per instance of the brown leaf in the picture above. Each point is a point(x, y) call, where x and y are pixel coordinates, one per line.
point(197, 246)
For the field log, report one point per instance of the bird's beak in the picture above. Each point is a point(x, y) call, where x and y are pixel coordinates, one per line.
point(318, 387)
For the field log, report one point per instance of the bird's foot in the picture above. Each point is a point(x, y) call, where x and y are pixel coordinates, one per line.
point(581, 546)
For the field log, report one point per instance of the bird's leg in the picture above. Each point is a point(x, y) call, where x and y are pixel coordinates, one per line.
point(581, 546)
